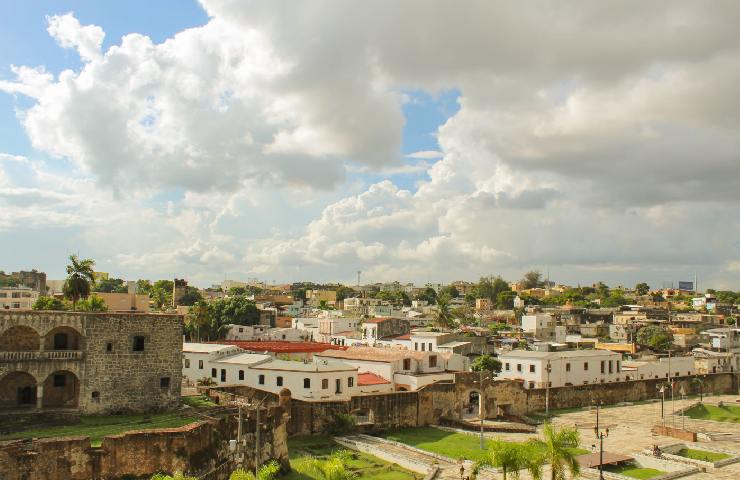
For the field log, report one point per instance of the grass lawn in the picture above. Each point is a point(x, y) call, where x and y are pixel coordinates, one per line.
point(631, 470)
point(198, 401)
point(99, 426)
point(726, 413)
point(450, 444)
point(702, 455)
point(366, 466)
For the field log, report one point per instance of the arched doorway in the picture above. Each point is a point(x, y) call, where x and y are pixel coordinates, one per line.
point(62, 338)
point(17, 390)
point(20, 339)
point(61, 389)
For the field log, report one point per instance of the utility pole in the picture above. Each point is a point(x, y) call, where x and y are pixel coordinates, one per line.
point(673, 400)
point(547, 391)
point(480, 409)
point(662, 402)
point(600, 436)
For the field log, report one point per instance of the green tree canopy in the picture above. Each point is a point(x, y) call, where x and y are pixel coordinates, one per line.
point(449, 290)
point(110, 285)
point(642, 288)
point(486, 363)
point(490, 288)
point(191, 296)
point(48, 303)
point(557, 447)
point(345, 292)
point(429, 294)
point(532, 279)
point(92, 304)
point(654, 337)
point(511, 457)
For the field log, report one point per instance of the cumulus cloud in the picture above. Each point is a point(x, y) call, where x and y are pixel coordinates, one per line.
point(597, 137)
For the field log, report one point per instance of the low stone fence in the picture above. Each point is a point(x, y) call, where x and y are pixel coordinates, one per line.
point(405, 462)
point(672, 469)
point(686, 435)
point(670, 452)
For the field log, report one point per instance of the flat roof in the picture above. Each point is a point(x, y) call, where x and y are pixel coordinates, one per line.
point(452, 344)
point(283, 346)
point(374, 354)
point(244, 358)
point(204, 347)
point(316, 366)
point(559, 354)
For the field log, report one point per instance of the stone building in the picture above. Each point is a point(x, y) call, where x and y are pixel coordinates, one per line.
point(89, 362)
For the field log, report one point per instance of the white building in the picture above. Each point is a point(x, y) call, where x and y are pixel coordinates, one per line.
point(570, 367)
point(330, 326)
point(406, 370)
point(197, 358)
point(652, 367)
point(17, 298)
point(309, 324)
point(724, 338)
point(422, 341)
point(544, 327)
point(265, 333)
point(317, 380)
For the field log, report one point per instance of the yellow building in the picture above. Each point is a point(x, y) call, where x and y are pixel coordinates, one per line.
point(124, 302)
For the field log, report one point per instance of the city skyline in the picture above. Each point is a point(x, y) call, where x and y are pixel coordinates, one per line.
point(415, 141)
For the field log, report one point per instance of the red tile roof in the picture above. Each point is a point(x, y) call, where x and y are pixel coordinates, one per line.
point(283, 347)
point(367, 378)
point(405, 336)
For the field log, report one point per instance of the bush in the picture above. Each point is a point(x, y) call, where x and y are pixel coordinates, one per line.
point(342, 423)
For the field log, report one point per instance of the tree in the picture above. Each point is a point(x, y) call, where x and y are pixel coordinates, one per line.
point(110, 285)
point(557, 449)
point(450, 290)
point(93, 304)
point(161, 293)
point(333, 468)
point(144, 286)
point(532, 279)
point(429, 294)
point(490, 287)
point(197, 319)
point(602, 289)
point(191, 296)
point(443, 316)
point(79, 277)
point(48, 303)
point(486, 363)
point(176, 476)
point(510, 457)
point(655, 337)
point(345, 292)
point(505, 300)
point(642, 288)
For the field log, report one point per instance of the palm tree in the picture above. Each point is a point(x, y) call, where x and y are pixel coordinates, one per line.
point(176, 476)
point(333, 468)
point(198, 317)
point(443, 317)
point(79, 277)
point(511, 458)
point(556, 449)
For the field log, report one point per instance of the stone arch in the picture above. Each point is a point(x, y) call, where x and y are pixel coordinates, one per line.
point(61, 389)
point(62, 337)
point(20, 338)
point(18, 390)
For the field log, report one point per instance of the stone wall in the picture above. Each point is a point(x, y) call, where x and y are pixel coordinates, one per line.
point(110, 375)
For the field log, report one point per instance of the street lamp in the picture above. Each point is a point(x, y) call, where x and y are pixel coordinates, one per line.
point(662, 402)
point(600, 436)
point(548, 369)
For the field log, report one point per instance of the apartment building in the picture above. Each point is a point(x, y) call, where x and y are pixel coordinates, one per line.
point(537, 369)
point(17, 298)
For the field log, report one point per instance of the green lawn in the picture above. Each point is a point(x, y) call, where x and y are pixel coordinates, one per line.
point(198, 401)
point(366, 466)
point(450, 444)
point(99, 426)
point(630, 470)
point(702, 455)
point(726, 413)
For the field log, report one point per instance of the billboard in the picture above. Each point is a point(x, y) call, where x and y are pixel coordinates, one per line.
point(686, 285)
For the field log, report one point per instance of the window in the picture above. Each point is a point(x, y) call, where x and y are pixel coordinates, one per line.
point(325, 384)
point(261, 379)
point(306, 383)
point(279, 381)
point(241, 330)
point(213, 373)
point(283, 337)
point(109, 347)
point(338, 383)
point(187, 363)
point(422, 346)
point(585, 365)
point(610, 366)
point(430, 346)
point(223, 374)
point(416, 345)
point(164, 382)
point(139, 344)
point(407, 364)
point(351, 382)
point(96, 397)
point(518, 367)
point(432, 361)
point(16, 304)
point(61, 341)
point(531, 368)
point(60, 380)
point(619, 367)
point(567, 367)
point(16, 295)
point(602, 366)
point(507, 366)
point(241, 374)
point(200, 364)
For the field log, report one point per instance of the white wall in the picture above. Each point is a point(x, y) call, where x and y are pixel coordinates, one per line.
point(560, 373)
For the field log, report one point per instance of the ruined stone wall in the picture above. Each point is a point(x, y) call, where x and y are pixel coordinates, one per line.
point(68, 458)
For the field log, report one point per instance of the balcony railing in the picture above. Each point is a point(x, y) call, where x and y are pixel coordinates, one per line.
point(38, 356)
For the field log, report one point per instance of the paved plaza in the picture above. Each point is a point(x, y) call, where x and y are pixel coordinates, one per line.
point(630, 431)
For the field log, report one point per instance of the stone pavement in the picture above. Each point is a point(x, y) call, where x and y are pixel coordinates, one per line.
point(629, 432)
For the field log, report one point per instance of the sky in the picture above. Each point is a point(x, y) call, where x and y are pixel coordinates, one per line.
point(419, 141)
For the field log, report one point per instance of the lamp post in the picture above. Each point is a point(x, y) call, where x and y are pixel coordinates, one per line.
point(662, 403)
point(480, 409)
point(600, 436)
point(548, 369)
